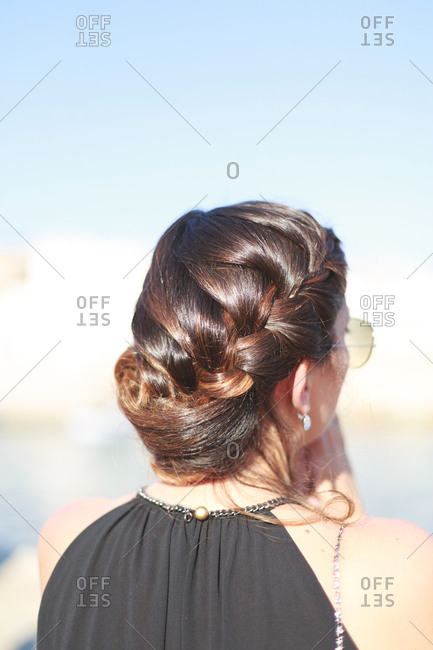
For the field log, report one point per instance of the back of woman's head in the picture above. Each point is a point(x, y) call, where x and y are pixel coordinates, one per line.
point(234, 299)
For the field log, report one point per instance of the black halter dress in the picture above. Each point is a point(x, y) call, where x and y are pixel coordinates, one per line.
point(144, 578)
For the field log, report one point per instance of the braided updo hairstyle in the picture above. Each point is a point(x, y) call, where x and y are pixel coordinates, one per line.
point(234, 299)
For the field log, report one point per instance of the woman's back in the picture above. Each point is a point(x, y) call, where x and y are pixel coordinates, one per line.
point(138, 575)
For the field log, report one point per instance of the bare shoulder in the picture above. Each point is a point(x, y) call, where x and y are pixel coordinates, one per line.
point(386, 583)
point(393, 536)
point(386, 577)
point(391, 545)
point(65, 524)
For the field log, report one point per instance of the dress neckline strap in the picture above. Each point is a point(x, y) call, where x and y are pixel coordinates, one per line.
point(201, 513)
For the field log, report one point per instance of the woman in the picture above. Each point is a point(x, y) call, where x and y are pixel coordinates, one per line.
point(232, 384)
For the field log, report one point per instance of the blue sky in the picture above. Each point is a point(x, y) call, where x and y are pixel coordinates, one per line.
point(95, 151)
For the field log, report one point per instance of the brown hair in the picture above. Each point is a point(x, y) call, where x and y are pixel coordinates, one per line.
point(234, 299)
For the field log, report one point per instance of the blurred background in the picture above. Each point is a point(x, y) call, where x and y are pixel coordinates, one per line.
point(114, 122)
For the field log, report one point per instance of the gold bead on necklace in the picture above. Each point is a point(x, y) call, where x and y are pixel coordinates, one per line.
point(201, 513)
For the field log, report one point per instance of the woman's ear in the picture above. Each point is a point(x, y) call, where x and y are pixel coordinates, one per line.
point(294, 392)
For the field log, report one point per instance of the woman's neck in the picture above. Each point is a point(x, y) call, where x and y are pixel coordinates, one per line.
point(215, 495)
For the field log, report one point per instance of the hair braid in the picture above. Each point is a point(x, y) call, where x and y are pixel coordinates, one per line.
point(233, 301)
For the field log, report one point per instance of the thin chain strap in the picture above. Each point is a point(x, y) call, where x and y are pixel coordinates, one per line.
point(203, 513)
point(339, 629)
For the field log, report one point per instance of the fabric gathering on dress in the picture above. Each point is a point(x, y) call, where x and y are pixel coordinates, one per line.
point(140, 577)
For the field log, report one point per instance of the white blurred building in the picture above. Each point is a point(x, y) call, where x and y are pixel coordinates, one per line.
point(61, 336)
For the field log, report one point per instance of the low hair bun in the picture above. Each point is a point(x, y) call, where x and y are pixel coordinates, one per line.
point(233, 300)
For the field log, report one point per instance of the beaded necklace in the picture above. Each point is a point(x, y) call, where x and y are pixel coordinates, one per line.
point(203, 513)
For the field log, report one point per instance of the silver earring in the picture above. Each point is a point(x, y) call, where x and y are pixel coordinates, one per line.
point(306, 420)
